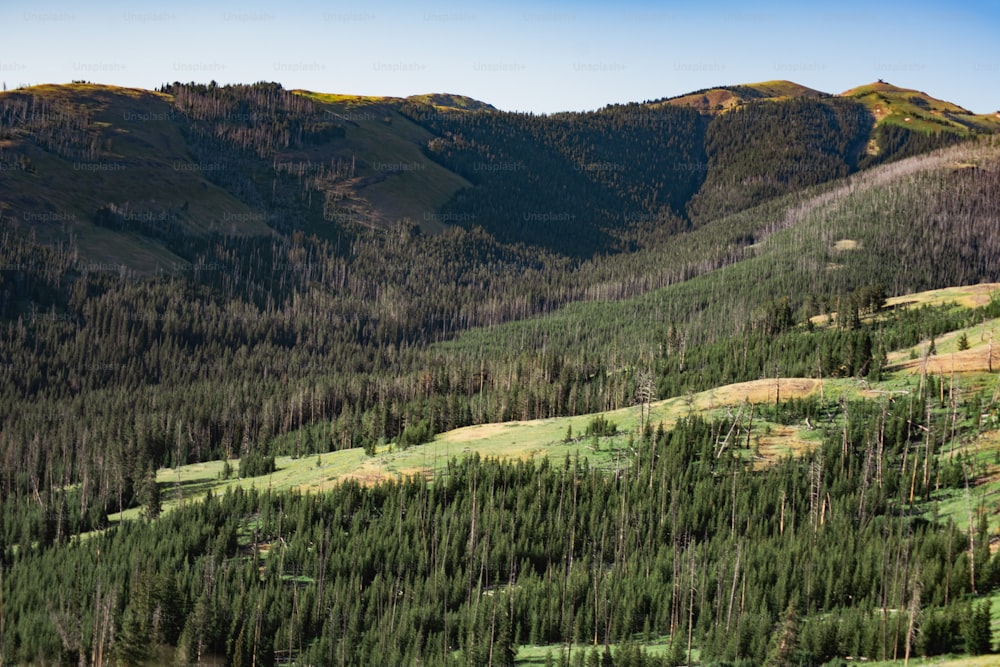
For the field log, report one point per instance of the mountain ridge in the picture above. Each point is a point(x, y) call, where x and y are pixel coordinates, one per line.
point(120, 169)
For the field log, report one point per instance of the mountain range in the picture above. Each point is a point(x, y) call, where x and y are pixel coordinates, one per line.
point(122, 170)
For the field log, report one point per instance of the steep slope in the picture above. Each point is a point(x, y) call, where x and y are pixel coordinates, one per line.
point(917, 224)
point(909, 122)
point(72, 151)
point(766, 148)
point(575, 183)
point(133, 176)
point(753, 143)
point(392, 178)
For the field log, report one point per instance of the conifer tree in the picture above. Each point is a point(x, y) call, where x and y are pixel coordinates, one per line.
point(785, 641)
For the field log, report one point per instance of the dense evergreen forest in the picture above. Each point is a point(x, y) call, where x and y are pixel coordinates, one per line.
point(570, 181)
point(816, 558)
point(595, 258)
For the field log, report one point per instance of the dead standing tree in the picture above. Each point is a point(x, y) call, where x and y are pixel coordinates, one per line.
point(645, 393)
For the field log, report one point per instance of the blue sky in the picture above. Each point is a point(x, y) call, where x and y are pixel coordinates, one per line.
point(542, 57)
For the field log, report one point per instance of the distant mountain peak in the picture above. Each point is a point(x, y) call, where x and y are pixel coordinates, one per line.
point(879, 86)
point(452, 101)
point(723, 98)
point(916, 110)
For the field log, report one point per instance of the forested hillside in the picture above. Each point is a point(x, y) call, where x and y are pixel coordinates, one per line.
point(571, 183)
point(262, 337)
point(764, 149)
point(131, 175)
point(822, 553)
point(366, 273)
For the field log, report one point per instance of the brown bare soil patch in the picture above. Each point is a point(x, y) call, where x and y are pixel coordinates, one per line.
point(759, 391)
point(481, 431)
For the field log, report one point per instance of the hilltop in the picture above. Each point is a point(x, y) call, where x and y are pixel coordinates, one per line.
point(916, 110)
point(451, 102)
point(905, 107)
point(714, 101)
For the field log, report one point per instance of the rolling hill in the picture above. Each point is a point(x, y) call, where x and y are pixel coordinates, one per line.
point(553, 438)
point(128, 174)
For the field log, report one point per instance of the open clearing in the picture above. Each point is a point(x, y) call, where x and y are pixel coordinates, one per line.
point(845, 244)
point(516, 440)
point(547, 438)
point(968, 296)
point(948, 358)
point(532, 656)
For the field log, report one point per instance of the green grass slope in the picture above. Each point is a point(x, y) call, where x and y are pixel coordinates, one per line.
point(77, 148)
point(393, 175)
point(760, 440)
point(918, 111)
point(450, 101)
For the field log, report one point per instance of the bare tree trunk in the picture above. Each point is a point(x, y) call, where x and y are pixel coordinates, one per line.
point(954, 415)
point(972, 538)
point(493, 630)
point(781, 529)
point(914, 609)
point(989, 354)
point(927, 453)
point(881, 448)
point(732, 592)
point(843, 443)
point(865, 478)
point(691, 608)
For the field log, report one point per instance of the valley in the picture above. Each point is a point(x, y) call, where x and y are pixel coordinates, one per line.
point(290, 377)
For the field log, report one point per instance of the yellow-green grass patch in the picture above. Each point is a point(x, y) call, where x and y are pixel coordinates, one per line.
point(967, 296)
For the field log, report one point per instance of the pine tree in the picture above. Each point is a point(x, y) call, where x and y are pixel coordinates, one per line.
point(976, 629)
point(150, 496)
